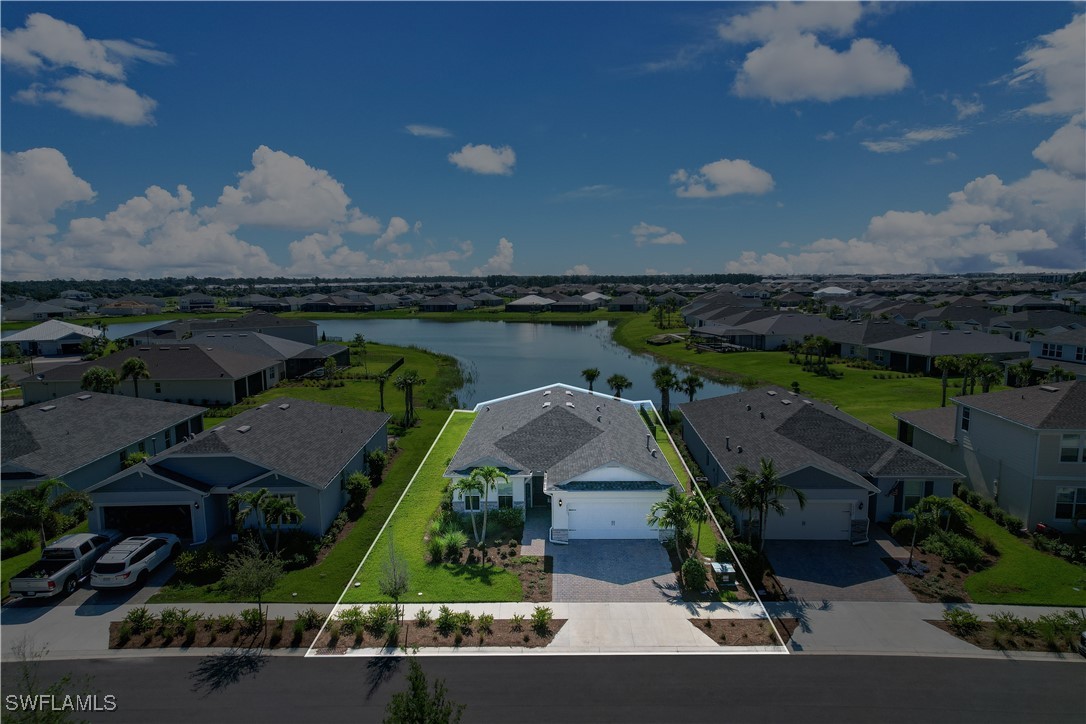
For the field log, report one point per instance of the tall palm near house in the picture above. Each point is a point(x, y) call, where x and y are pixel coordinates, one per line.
point(487, 477)
point(618, 383)
point(823, 345)
point(381, 380)
point(770, 492)
point(278, 510)
point(590, 375)
point(988, 374)
point(1058, 374)
point(672, 512)
point(742, 490)
point(135, 369)
point(690, 385)
point(407, 381)
point(1033, 332)
point(946, 363)
point(968, 364)
point(248, 502)
point(664, 379)
point(1023, 372)
point(696, 513)
point(468, 487)
point(43, 506)
point(98, 379)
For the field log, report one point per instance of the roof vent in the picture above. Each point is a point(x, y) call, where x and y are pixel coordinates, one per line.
point(761, 415)
point(598, 409)
point(771, 393)
point(245, 428)
point(145, 349)
point(83, 397)
point(546, 393)
point(184, 349)
point(569, 404)
point(653, 453)
point(569, 393)
point(808, 402)
point(285, 406)
point(599, 418)
point(488, 408)
point(739, 448)
point(786, 402)
point(748, 408)
point(47, 408)
point(1050, 388)
point(220, 428)
point(546, 404)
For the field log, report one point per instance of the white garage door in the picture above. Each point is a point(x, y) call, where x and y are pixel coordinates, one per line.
point(604, 519)
point(819, 520)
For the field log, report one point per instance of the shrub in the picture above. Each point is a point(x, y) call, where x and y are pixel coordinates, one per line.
point(446, 620)
point(333, 635)
point(455, 541)
point(1006, 621)
point(464, 620)
point(1013, 523)
point(20, 542)
point(376, 462)
point(541, 620)
point(954, 548)
point(435, 548)
point(140, 620)
point(380, 617)
point(903, 530)
point(509, 517)
point(961, 622)
point(298, 549)
point(694, 575)
point(352, 619)
point(190, 633)
point(226, 622)
point(722, 555)
point(124, 634)
point(423, 618)
point(199, 563)
point(986, 507)
point(486, 623)
point(337, 526)
point(516, 621)
point(357, 486)
point(299, 631)
point(310, 618)
point(252, 620)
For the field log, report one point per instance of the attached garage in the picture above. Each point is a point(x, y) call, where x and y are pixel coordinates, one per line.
point(818, 520)
point(139, 519)
point(601, 514)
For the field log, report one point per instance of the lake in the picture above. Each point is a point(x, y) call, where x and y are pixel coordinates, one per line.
point(502, 358)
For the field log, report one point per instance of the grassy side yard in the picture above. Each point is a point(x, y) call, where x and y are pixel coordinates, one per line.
point(708, 540)
point(447, 582)
point(1023, 575)
point(858, 393)
point(11, 566)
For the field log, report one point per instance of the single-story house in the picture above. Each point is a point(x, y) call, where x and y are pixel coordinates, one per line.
point(530, 303)
point(486, 299)
point(587, 458)
point(445, 303)
point(295, 448)
point(195, 302)
point(186, 373)
point(851, 474)
point(36, 312)
point(917, 352)
point(128, 308)
point(628, 303)
point(250, 300)
point(298, 358)
point(772, 332)
point(1032, 323)
point(53, 337)
point(1022, 302)
point(1023, 448)
point(76, 294)
point(299, 330)
point(84, 438)
point(563, 303)
point(853, 338)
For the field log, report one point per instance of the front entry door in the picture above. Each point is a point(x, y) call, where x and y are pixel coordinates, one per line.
point(539, 500)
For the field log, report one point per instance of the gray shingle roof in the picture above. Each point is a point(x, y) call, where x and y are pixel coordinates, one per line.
point(81, 429)
point(948, 342)
point(308, 441)
point(520, 434)
point(796, 433)
point(51, 330)
point(172, 362)
point(249, 343)
point(1056, 406)
point(938, 421)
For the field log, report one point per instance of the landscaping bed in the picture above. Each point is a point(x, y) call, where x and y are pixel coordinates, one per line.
point(1054, 633)
point(745, 631)
point(942, 583)
point(502, 634)
point(209, 633)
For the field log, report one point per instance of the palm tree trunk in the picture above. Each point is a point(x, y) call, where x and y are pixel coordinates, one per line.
point(945, 373)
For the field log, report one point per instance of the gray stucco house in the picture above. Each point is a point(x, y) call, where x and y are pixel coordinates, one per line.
point(84, 438)
point(294, 448)
point(587, 458)
point(851, 473)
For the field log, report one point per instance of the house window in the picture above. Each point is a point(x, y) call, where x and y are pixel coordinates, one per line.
point(965, 418)
point(143, 446)
point(505, 501)
point(293, 500)
point(879, 356)
point(1080, 354)
point(1071, 448)
point(168, 434)
point(1070, 503)
point(1051, 350)
point(158, 388)
point(911, 493)
point(471, 502)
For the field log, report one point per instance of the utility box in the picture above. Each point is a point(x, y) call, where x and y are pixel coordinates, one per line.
point(724, 573)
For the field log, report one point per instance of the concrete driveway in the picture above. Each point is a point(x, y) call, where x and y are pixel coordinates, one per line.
point(812, 571)
point(629, 571)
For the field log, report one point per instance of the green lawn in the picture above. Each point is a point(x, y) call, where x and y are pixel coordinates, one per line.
point(444, 583)
point(1023, 575)
point(11, 566)
point(858, 393)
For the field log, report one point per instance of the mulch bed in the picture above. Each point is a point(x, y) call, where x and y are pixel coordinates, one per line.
point(943, 582)
point(411, 635)
point(989, 637)
point(745, 631)
point(208, 636)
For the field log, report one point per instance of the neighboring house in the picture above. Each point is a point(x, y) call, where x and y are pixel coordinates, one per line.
point(588, 458)
point(530, 303)
point(299, 330)
point(297, 358)
point(128, 308)
point(772, 332)
point(628, 303)
point(445, 303)
point(789, 300)
point(571, 304)
point(852, 339)
point(76, 295)
point(196, 302)
point(597, 297)
point(1022, 302)
point(296, 449)
point(485, 299)
point(52, 338)
point(1024, 448)
point(36, 312)
point(851, 473)
point(972, 317)
point(381, 302)
point(1065, 349)
point(1033, 323)
point(833, 292)
point(678, 299)
point(84, 438)
point(186, 373)
point(251, 300)
point(917, 352)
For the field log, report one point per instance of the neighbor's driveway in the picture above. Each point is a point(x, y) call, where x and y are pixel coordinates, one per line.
point(813, 570)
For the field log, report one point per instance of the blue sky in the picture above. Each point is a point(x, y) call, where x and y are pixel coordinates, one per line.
point(365, 139)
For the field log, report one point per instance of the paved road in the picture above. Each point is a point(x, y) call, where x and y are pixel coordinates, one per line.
point(589, 689)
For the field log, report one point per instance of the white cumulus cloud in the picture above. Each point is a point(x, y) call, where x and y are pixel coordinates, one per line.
point(484, 159)
point(725, 177)
point(649, 234)
point(578, 270)
point(93, 98)
point(500, 263)
point(36, 184)
point(1058, 61)
point(1065, 150)
point(909, 139)
point(419, 129)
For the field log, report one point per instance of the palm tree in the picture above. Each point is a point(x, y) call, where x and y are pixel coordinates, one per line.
point(98, 379)
point(690, 385)
point(672, 512)
point(248, 502)
point(664, 379)
point(770, 491)
point(968, 365)
point(946, 363)
point(742, 490)
point(467, 487)
point(487, 477)
point(618, 383)
point(696, 513)
point(1033, 332)
point(407, 381)
point(1022, 372)
point(136, 369)
point(43, 506)
point(1058, 374)
point(590, 375)
point(381, 380)
point(947, 324)
point(988, 374)
point(278, 509)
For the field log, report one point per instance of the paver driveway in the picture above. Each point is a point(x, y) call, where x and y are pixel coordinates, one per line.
point(815, 570)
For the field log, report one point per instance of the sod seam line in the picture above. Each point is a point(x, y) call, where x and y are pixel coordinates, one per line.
point(381, 532)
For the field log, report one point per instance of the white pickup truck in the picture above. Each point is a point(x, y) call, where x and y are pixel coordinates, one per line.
point(63, 564)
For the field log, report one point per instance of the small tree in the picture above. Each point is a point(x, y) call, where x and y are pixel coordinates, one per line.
point(135, 369)
point(672, 512)
point(690, 385)
point(618, 383)
point(376, 462)
point(44, 507)
point(250, 573)
point(664, 379)
point(467, 487)
point(246, 503)
point(277, 510)
point(395, 576)
point(590, 375)
point(357, 486)
point(418, 706)
point(98, 379)
point(360, 342)
point(487, 478)
point(330, 368)
point(381, 380)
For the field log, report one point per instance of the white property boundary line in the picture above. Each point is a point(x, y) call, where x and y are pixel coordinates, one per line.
point(350, 583)
point(695, 486)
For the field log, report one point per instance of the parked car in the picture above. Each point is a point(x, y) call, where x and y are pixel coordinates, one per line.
point(63, 564)
point(132, 561)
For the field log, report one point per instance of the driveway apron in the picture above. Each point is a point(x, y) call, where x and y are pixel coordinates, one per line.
point(813, 571)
